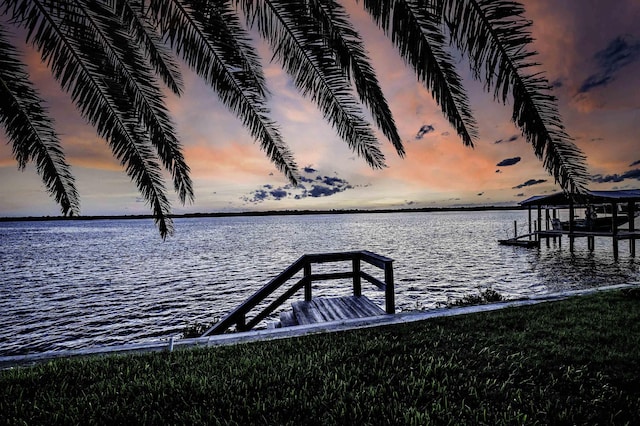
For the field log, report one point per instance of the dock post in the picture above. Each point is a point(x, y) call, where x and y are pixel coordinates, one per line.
point(539, 228)
point(515, 229)
point(631, 212)
point(590, 243)
point(389, 294)
point(548, 220)
point(357, 282)
point(307, 282)
point(572, 222)
point(614, 229)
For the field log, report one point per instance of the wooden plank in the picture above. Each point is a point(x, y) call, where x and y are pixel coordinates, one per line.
point(325, 309)
point(335, 309)
point(306, 313)
point(363, 307)
point(350, 306)
point(372, 307)
point(287, 319)
point(332, 309)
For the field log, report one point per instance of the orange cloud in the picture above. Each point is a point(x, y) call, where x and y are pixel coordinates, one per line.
point(442, 165)
point(229, 161)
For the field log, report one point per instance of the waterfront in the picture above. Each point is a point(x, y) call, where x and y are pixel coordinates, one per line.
point(67, 285)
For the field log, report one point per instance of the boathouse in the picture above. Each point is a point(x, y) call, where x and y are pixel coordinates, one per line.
point(609, 214)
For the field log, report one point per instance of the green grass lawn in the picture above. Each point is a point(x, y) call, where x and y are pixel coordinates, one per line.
point(570, 362)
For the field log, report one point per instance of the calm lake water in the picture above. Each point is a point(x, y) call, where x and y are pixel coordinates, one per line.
point(68, 285)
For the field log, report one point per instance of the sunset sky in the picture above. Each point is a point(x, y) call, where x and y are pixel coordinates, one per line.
point(590, 50)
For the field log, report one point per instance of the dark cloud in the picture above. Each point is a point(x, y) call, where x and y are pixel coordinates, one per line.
point(635, 163)
point(279, 194)
point(629, 174)
point(520, 194)
point(620, 52)
point(319, 186)
point(596, 139)
point(530, 182)
point(498, 171)
point(509, 162)
point(258, 195)
point(309, 169)
point(427, 128)
point(322, 191)
point(557, 84)
point(509, 140)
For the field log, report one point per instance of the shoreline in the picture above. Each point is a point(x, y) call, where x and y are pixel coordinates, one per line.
point(176, 343)
point(262, 213)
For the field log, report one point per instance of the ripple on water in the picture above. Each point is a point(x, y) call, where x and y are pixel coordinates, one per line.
point(68, 285)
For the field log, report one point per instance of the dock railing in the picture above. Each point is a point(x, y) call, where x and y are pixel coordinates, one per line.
point(238, 316)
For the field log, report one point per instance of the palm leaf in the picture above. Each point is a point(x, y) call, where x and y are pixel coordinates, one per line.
point(495, 36)
point(30, 129)
point(127, 65)
point(236, 47)
point(299, 46)
point(214, 57)
point(353, 60)
point(77, 63)
point(416, 32)
point(143, 34)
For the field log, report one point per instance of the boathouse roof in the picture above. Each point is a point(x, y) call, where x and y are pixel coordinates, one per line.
point(591, 197)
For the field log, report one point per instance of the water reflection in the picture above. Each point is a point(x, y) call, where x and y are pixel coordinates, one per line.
point(559, 269)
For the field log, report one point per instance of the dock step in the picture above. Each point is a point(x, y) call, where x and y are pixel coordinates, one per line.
point(287, 319)
point(323, 309)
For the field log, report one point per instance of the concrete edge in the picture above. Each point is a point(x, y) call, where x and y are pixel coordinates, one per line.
point(294, 331)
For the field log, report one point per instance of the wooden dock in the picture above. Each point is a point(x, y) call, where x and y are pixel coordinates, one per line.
point(314, 310)
point(324, 309)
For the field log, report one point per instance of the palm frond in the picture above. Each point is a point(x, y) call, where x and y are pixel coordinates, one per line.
point(30, 129)
point(495, 36)
point(77, 63)
point(127, 65)
point(235, 44)
point(214, 58)
point(299, 46)
point(416, 32)
point(353, 59)
point(131, 12)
